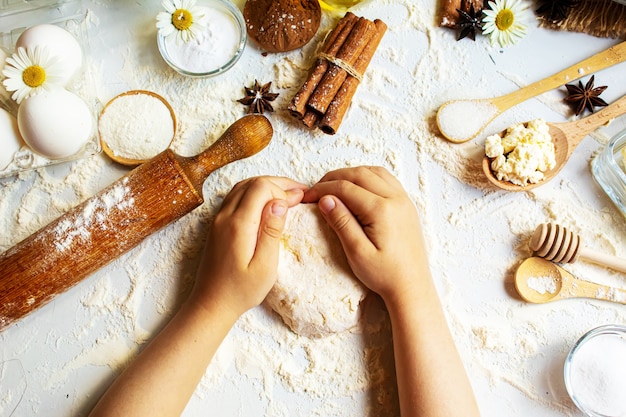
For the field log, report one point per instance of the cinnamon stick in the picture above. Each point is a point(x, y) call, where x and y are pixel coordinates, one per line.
point(339, 105)
point(361, 34)
point(336, 76)
point(310, 118)
point(449, 15)
point(334, 42)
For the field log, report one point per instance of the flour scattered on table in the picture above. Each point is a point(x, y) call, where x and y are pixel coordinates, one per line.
point(514, 349)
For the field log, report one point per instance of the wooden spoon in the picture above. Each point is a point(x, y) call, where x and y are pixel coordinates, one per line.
point(566, 137)
point(108, 143)
point(489, 108)
point(540, 281)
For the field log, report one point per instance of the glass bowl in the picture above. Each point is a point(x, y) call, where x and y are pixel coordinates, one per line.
point(222, 18)
point(609, 170)
point(595, 372)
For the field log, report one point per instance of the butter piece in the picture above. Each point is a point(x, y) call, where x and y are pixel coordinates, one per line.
point(524, 154)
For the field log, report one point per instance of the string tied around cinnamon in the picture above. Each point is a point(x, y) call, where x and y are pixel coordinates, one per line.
point(342, 64)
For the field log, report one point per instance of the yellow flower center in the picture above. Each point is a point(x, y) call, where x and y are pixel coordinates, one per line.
point(182, 19)
point(34, 76)
point(505, 19)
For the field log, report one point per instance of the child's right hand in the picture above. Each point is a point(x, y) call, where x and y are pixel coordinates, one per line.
point(239, 263)
point(378, 226)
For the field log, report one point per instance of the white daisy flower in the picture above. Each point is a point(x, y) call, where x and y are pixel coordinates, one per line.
point(182, 19)
point(30, 71)
point(504, 22)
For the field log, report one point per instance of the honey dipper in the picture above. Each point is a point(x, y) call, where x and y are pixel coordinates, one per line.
point(555, 243)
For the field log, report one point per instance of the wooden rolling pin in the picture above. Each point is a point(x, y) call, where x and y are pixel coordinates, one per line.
point(117, 219)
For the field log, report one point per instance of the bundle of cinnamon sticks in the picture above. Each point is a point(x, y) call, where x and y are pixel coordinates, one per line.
point(325, 96)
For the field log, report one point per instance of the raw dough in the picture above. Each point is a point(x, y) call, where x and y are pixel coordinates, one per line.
point(316, 293)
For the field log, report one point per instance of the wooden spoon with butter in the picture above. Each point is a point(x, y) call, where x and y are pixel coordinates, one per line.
point(566, 136)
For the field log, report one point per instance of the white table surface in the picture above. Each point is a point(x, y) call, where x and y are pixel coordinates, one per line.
point(59, 360)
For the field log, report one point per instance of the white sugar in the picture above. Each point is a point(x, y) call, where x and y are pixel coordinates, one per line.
point(598, 375)
point(464, 119)
point(211, 48)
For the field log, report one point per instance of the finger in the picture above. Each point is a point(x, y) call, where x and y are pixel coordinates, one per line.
point(234, 195)
point(375, 179)
point(286, 183)
point(350, 232)
point(260, 191)
point(270, 232)
point(233, 199)
point(294, 197)
point(357, 198)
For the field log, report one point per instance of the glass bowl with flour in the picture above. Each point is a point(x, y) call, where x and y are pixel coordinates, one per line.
point(215, 49)
point(135, 126)
point(595, 372)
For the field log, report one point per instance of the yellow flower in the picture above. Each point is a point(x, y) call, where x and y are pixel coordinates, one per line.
point(504, 22)
point(181, 19)
point(29, 71)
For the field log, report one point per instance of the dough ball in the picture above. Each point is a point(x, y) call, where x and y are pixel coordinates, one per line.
point(316, 293)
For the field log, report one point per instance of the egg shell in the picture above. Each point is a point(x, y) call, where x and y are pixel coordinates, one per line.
point(55, 124)
point(4, 94)
point(10, 139)
point(3, 59)
point(59, 42)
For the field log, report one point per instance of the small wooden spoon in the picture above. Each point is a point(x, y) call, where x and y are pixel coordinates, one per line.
point(553, 283)
point(597, 62)
point(566, 137)
point(105, 142)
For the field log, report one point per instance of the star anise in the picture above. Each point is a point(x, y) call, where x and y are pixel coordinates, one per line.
point(585, 97)
point(258, 98)
point(555, 10)
point(469, 23)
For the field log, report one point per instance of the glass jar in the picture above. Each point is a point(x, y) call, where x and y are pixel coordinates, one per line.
point(609, 170)
point(595, 372)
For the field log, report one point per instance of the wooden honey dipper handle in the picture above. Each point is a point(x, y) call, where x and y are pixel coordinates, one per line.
point(555, 243)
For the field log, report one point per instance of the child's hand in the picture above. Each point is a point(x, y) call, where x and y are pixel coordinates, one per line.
point(239, 264)
point(378, 226)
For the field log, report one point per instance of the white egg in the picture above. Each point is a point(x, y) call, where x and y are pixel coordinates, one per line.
point(10, 139)
point(55, 124)
point(59, 42)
